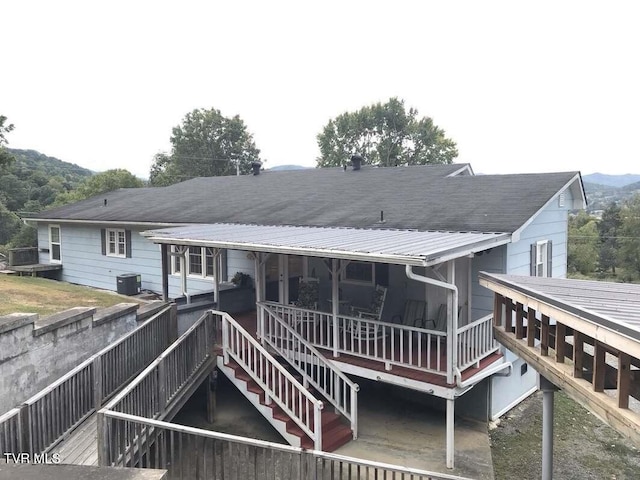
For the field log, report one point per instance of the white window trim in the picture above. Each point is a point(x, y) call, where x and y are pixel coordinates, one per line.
point(350, 281)
point(51, 243)
point(175, 259)
point(542, 260)
point(107, 242)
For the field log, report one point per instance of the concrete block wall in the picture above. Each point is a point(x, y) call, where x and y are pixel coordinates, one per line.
point(36, 351)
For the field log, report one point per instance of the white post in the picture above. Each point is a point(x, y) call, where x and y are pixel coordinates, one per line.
point(183, 275)
point(335, 303)
point(216, 276)
point(259, 281)
point(450, 432)
point(225, 339)
point(452, 323)
point(317, 424)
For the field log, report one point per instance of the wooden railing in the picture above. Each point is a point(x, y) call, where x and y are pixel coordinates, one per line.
point(153, 391)
point(278, 384)
point(332, 384)
point(10, 432)
point(23, 256)
point(56, 410)
point(194, 454)
point(475, 341)
point(388, 343)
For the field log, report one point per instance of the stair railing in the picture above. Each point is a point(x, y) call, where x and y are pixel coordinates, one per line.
point(315, 369)
point(278, 384)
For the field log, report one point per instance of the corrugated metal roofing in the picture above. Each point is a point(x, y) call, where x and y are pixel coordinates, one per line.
point(386, 246)
point(602, 302)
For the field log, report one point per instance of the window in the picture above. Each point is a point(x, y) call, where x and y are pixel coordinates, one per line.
point(541, 256)
point(360, 272)
point(55, 253)
point(200, 262)
point(116, 242)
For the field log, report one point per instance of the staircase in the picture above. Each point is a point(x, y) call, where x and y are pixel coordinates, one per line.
point(335, 432)
point(284, 400)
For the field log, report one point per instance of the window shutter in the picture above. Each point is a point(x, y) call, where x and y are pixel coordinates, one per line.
point(549, 259)
point(533, 260)
point(382, 274)
point(103, 240)
point(127, 240)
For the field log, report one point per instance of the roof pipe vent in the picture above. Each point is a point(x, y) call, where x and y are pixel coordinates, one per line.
point(356, 161)
point(255, 167)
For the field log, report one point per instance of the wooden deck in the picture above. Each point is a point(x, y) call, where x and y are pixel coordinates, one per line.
point(249, 322)
point(33, 269)
point(81, 447)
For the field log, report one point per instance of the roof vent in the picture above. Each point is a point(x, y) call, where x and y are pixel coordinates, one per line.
point(105, 202)
point(356, 161)
point(255, 167)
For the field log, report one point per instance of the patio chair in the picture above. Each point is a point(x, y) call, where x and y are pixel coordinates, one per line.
point(374, 312)
point(440, 322)
point(414, 314)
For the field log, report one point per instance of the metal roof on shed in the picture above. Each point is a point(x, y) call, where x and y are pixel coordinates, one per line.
point(386, 246)
point(614, 305)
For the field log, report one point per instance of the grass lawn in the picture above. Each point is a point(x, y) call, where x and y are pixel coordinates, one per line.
point(45, 297)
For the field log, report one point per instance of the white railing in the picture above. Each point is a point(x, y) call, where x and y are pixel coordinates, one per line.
point(475, 341)
point(11, 432)
point(334, 385)
point(388, 343)
point(278, 384)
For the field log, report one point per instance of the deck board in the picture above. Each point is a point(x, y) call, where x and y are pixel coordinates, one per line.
point(81, 447)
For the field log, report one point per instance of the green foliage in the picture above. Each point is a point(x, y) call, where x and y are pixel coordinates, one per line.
point(9, 224)
point(100, 183)
point(5, 156)
point(608, 230)
point(583, 244)
point(629, 253)
point(206, 144)
point(385, 135)
point(26, 236)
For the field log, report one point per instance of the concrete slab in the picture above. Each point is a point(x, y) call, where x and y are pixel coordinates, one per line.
point(395, 427)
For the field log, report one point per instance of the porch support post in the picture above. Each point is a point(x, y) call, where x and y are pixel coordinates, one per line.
point(548, 390)
point(216, 276)
point(183, 274)
point(259, 281)
point(452, 323)
point(164, 252)
point(450, 432)
point(335, 303)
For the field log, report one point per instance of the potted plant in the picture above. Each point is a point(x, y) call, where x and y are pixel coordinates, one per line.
point(241, 279)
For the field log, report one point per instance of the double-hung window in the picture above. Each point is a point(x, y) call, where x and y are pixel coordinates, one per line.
point(200, 262)
point(360, 272)
point(55, 253)
point(116, 242)
point(541, 256)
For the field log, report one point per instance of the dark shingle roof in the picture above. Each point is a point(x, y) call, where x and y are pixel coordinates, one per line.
point(420, 197)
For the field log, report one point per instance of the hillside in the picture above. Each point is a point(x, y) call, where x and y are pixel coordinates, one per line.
point(611, 180)
point(600, 196)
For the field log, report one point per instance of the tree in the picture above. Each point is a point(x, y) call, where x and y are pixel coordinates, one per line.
point(583, 244)
point(385, 135)
point(100, 183)
point(5, 157)
point(206, 144)
point(608, 230)
point(629, 253)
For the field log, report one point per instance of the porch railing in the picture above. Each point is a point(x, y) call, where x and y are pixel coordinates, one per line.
point(388, 343)
point(10, 432)
point(52, 413)
point(475, 341)
point(278, 384)
point(334, 385)
point(196, 454)
point(23, 256)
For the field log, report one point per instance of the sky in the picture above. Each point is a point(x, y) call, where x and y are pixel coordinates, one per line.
point(519, 86)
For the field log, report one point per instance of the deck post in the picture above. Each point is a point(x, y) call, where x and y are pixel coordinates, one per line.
point(548, 390)
point(452, 323)
point(211, 383)
point(165, 271)
point(450, 432)
point(335, 303)
point(97, 382)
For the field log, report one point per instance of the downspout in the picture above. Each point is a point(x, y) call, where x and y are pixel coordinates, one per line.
point(452, 340)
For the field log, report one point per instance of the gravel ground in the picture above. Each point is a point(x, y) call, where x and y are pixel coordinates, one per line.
point(584, 447)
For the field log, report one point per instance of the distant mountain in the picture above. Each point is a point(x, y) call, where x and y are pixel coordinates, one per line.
point(611, 180)
point(288, 167)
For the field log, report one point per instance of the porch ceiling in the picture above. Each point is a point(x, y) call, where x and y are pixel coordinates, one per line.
point(404, 247)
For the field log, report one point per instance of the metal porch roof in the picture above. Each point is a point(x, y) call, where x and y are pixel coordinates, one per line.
point(613, 305)
point(406, 247)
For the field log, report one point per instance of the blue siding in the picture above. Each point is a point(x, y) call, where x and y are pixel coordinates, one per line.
point(493, 261)
point(84, 264)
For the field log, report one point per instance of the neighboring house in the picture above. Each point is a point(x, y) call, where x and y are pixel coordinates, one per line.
point(418, 236)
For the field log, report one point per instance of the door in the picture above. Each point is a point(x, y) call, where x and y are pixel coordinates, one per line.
point(274, 275)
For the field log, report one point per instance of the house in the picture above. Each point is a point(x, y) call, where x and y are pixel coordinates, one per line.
point(404, 241)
